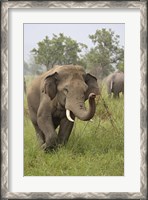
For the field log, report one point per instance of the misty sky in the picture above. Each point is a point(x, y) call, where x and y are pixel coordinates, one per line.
point(33, 33)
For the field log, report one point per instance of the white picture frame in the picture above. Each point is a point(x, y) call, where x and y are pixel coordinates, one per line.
point(6, 138)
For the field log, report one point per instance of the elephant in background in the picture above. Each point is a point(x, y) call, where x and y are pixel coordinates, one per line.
point(56, 98)
point(24, 85)
point(115, 84)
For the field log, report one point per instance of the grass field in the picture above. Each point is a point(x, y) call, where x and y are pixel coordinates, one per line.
point(95, 148)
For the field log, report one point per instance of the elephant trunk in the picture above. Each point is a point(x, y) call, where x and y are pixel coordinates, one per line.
point(80, 111)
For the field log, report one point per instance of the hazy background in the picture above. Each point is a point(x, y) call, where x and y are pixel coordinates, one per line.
point(33, 33)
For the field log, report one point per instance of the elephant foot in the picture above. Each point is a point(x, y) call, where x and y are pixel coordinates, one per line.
point(50, 144)
point(47, 148)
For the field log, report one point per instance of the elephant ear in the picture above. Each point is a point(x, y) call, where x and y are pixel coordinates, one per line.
point(50, 85)
point(91, 81)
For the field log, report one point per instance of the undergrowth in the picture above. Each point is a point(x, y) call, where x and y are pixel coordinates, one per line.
point(95, 148)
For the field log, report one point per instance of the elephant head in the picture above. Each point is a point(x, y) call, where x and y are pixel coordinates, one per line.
point(70, 87)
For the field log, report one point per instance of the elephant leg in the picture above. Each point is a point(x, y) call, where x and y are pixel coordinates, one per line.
point(116, 95)
point(47, 127)
point(40, 134)
point(45, 123)
point(64, 131)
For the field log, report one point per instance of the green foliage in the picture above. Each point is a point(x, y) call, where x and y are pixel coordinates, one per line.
point(120, 63)
point(32, 68)
point(95, 148)
point(106, 53)
point(59, 50)
point(102, 59)
point(26, 68)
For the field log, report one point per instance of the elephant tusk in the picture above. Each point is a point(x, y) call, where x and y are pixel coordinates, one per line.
point(68, 116)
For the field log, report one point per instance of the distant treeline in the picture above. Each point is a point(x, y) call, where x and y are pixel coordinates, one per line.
point(104, 57)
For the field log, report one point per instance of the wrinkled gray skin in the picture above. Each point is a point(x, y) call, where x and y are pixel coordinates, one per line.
point(115, 84)
point(51, 94)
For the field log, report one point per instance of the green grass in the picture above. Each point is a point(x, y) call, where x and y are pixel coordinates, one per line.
point(94, 148)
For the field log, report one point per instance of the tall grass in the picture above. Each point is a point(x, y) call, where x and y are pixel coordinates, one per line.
point(95, 148)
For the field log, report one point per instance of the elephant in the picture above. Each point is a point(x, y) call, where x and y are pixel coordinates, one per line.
point(115, 83)
point(24, 85)
point(55, 98)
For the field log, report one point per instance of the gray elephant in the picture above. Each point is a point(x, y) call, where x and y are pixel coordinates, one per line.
point(115, 83)
point(24, 85)
point(56, 98)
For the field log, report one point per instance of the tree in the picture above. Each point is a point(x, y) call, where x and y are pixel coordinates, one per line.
point(26, 68)
point(59, 50)
point(120, 63)
point(31, 68)
point(106, 53)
